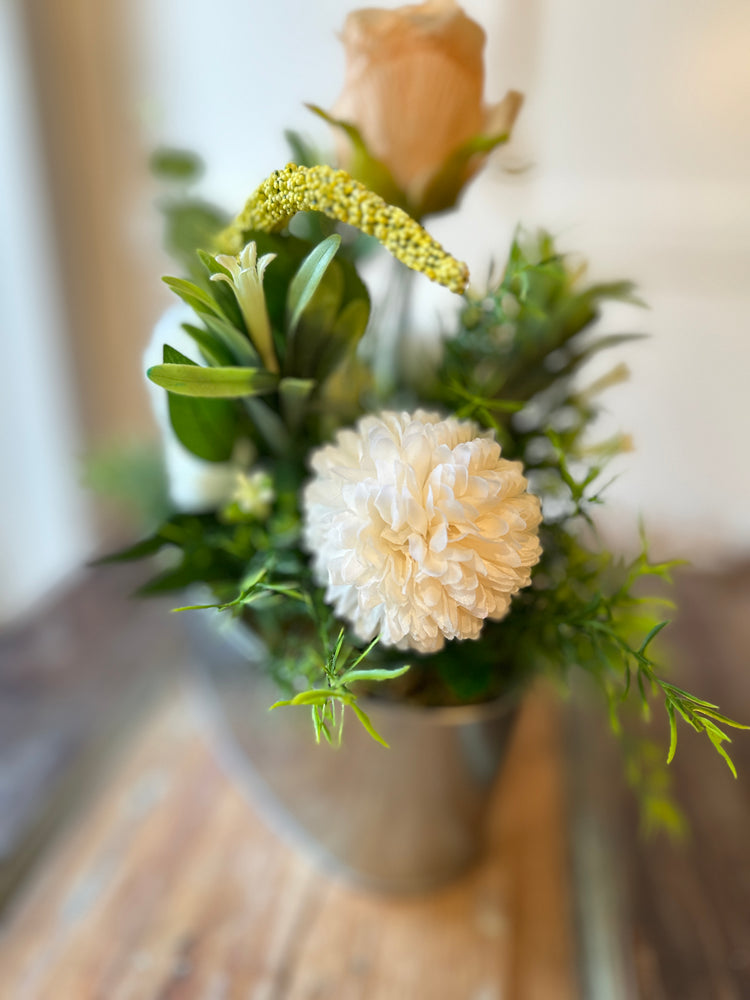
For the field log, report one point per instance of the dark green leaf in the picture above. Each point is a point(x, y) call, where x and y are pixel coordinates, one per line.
point(206, 427)
point(212, 349)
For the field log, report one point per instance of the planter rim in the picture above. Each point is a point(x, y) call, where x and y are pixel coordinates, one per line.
point(248, 644)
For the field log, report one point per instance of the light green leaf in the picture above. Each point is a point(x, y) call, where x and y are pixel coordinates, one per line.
point(315, 696)
point(364, 719)
point(305, 282)
point(192, 294)
point(376, 674)
point(212, 383)
point(672, 732)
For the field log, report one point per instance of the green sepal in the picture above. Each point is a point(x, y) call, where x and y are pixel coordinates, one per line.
point(364, 166)
point(444, 188)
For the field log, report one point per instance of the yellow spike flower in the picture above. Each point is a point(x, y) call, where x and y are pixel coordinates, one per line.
point(337, 195)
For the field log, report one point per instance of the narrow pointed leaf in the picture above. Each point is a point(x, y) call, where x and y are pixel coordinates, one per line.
point(672, 732)
point(305, 282)
point(212, 383)
point(368, 726)
point(191, 294)
point(651, 636)
point(376, 674)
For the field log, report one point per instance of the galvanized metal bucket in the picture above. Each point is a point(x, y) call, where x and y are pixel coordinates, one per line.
point(403, 819)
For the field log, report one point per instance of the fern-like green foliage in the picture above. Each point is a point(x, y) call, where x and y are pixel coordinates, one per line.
point(512, 368)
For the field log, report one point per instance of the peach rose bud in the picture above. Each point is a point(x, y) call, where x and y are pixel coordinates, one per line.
point(414, 92)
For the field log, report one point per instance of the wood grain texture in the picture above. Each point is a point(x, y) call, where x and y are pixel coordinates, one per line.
point(170, 886)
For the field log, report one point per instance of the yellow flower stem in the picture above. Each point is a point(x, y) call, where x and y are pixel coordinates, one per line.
point(337, 195)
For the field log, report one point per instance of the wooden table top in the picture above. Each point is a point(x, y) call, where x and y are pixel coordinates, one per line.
point(151, 875)
point(168, 884)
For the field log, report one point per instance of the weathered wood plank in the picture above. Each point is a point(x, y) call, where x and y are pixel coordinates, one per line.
point(170, 886)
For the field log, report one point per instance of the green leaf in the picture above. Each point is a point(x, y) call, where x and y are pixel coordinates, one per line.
point(181, 577)
point(305, 282)
point(236, 341)
point(221, 291)
point(206, 427)
point(146, 547)
point(302, 151)
point(269, 426)
point(364, 166)
point(294, 393)
point(444, 188)
point(651, 636)
point(190, 223)
point(212, 383)
point(364, 719)
point(212, 349)
point(175, 165)
point(716, 741)
point(209, 310)
point(191, 294)
point(315, 696)
point(348, 329)
point(672, 731)
point(376, 674)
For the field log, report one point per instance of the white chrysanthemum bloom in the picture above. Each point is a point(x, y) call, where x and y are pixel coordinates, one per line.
point(245, 278)
point(418, 528)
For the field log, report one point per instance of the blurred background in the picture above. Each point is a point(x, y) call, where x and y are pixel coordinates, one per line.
point(635, 141)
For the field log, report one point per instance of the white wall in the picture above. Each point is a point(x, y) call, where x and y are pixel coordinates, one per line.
point(638, 136)
point(43, 531)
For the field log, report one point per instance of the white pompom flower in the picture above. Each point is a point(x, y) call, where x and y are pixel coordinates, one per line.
point(418, 529)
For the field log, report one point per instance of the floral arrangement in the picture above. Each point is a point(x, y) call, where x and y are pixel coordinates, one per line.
point(427, 535)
